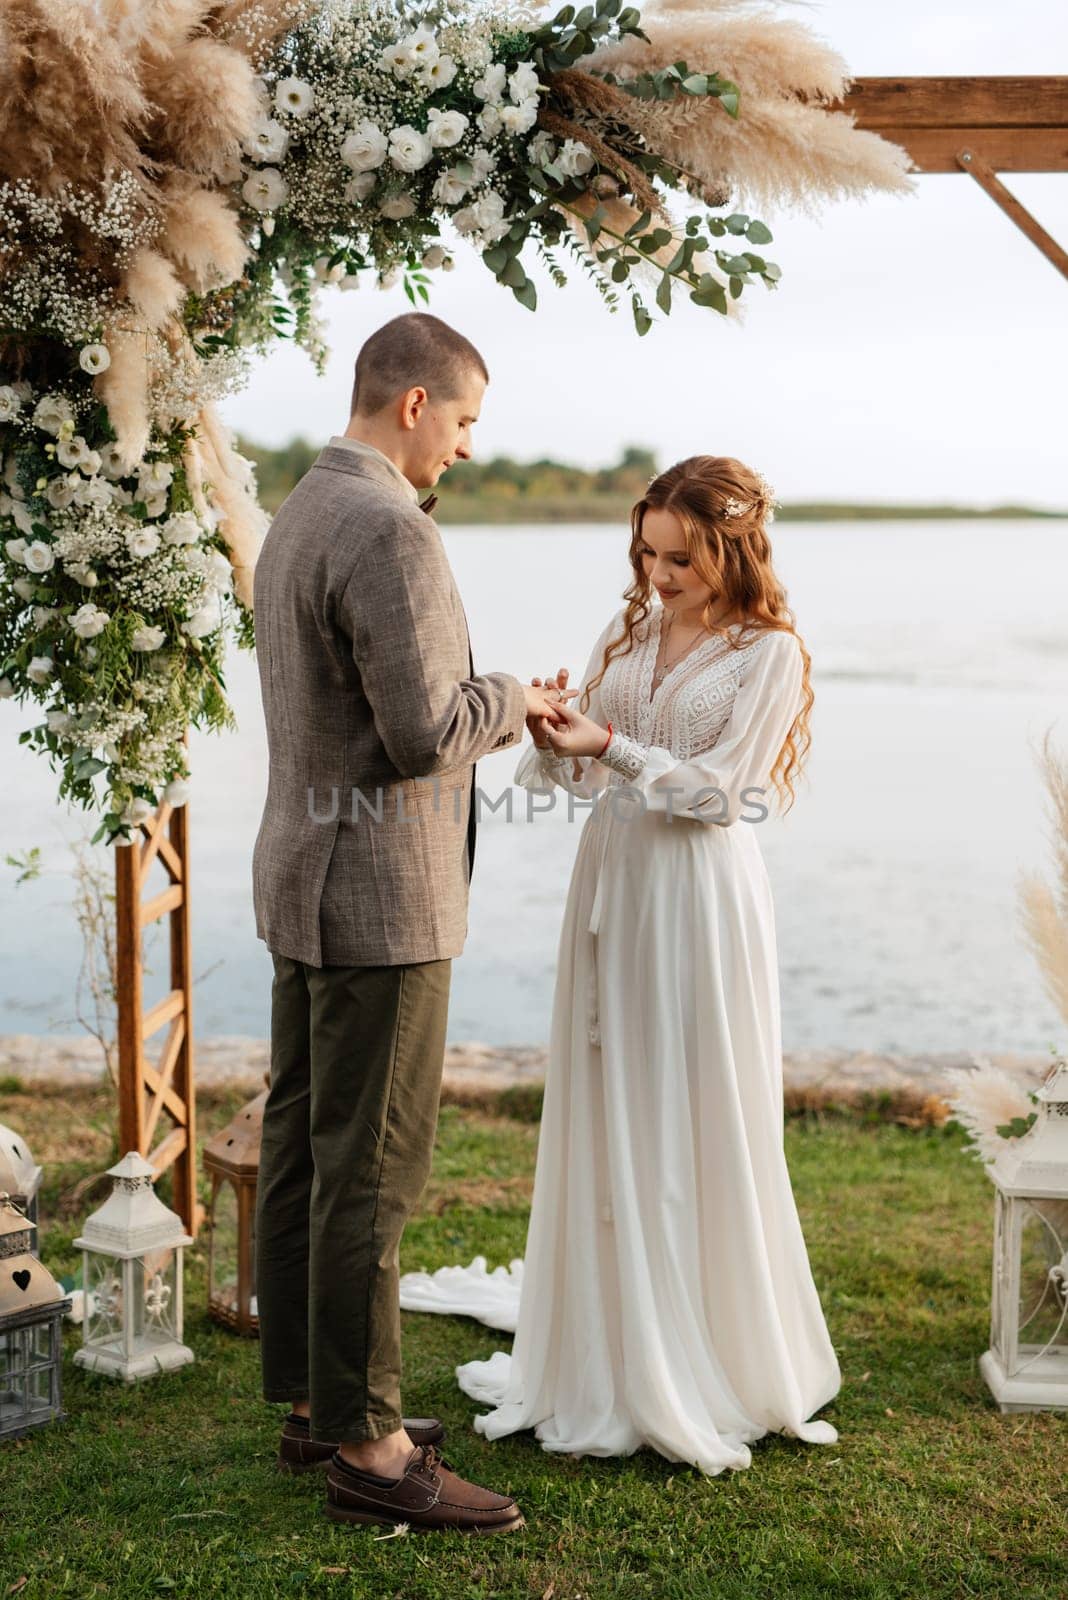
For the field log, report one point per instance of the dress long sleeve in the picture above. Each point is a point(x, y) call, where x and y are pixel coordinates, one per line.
point(716, 784)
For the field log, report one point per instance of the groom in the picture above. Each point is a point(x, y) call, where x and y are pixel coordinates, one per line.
point(360, 880)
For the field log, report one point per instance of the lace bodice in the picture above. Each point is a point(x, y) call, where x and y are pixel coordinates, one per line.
point(709, 735)
point(692, 705)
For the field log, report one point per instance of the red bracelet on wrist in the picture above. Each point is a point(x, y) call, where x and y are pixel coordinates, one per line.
point(607, 742)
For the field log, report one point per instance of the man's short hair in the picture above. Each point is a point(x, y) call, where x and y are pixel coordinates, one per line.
point(413, 350)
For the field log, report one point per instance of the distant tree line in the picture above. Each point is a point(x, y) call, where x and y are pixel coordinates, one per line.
point(505, 490)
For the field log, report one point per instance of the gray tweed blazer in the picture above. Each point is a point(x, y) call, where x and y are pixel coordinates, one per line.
point(374, 723)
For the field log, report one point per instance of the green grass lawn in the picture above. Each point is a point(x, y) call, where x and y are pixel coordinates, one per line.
point(169, 1487)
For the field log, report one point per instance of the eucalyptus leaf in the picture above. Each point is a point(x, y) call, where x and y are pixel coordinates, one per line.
point(663, 295)
point(527, 295)
point(758, 233)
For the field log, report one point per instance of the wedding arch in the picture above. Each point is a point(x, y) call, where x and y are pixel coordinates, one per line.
point(179, 179)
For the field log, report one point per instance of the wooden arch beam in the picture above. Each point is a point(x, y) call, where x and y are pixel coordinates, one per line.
point(981, 126)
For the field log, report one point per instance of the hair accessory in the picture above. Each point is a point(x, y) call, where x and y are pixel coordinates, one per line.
point(765, 499)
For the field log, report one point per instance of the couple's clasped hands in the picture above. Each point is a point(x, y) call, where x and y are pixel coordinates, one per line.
point(555, 725)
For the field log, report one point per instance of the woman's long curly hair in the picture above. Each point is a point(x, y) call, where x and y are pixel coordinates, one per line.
point(731, 553)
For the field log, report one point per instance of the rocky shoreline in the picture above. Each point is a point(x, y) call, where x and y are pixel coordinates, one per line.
point(911, 1086)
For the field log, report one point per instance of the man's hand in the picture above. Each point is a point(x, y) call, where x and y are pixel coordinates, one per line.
point(555, 693)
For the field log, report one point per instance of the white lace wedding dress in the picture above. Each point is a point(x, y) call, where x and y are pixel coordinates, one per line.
point(666, 1297)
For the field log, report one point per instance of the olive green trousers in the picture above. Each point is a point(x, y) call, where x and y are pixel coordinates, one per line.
point(348, 1137)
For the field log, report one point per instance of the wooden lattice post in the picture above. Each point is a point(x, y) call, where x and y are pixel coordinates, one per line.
point(146, 1091)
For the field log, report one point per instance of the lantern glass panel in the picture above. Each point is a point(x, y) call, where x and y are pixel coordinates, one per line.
point(1042, 1324)
point(26, 1380)
point(225, 1255)
point(135, 1302)
point(104, 1300)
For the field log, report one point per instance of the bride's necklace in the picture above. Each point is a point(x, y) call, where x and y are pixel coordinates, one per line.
point(661, 672)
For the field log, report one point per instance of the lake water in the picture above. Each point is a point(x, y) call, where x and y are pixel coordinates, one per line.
point(940, 655)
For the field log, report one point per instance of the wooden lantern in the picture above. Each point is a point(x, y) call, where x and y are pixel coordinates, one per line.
point(232, 1158)
point(31, 1331)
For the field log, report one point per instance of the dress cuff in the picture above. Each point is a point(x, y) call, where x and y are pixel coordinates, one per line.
point(625, 756)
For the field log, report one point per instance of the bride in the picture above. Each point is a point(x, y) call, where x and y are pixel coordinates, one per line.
point(666, 1298)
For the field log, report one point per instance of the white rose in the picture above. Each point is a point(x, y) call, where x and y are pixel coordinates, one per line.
point(220, 570)
point(89, 620)
point(482, 164)
point(58, 721)
point(445, 128)
point(40, 557)
point(409, 150)
point(147, 638)
point(433, 258)
point(489, 122)
point(40, 669)
point(93, 492)
point(177, 792)
point(155, 504)
point(10, 404)
point(490, 87)
point(387, 279)
point(24, 588)
point(523, 83)
point(464, 220)
point(155, 475)
point(60, 492)
point(437, 74)
point(422, 46)
point(145, 542)
point(6, 503)
point(16, 550)
point(21, 514)
point(137, 811)
point(541, 148)
point(398, 59)
point(268, 140)
point(358, 188)
point(489, 210)
point(294, 96)
point(51, 412)
point(574, 159)
point(119, 495)
point(520, 118)
point(397, 207)
point(111, 462)
point(266, 189)
point(43, 615)
point(365, 147)
point(203, 621)
point(94, 358)
point(182, 528)
point(7, 688)
point(349, 282)
point(449, 188)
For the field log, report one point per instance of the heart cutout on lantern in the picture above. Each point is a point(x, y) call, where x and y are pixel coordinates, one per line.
point(22, 1278)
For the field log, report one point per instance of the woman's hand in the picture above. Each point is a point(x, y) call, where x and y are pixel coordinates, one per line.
point(579, 735)
point(556, 690)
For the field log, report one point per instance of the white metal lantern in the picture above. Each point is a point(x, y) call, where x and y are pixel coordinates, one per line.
point(1026, 1366)
point(31, 1331)
point(20, 1177)
point(132, 1277)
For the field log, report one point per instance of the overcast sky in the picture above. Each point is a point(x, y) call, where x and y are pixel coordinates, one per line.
point(916, 348)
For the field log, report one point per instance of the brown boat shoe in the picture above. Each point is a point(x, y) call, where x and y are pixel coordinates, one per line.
point(428, 1497)
point(299, 1452)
